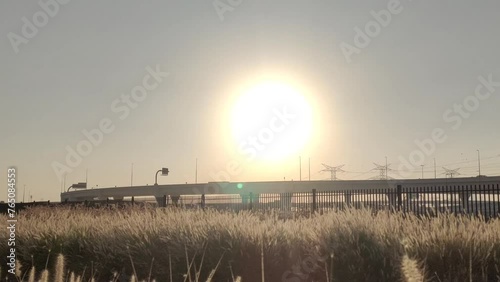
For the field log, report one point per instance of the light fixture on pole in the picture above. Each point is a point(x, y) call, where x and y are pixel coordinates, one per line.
point(164, 172)
point(79, 185)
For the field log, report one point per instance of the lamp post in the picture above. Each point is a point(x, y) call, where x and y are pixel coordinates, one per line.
point(479, 162)
point(164, 171)
point(300, 168)
point(386, 167)
point(132, 175)
point(435, 172)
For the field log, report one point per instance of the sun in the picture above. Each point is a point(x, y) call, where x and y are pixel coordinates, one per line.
point(271, 120)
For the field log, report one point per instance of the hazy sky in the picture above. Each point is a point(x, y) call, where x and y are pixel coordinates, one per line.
point(366, 89)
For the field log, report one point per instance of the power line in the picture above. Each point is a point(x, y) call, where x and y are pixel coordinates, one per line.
point(475, 166)
point(472, 161)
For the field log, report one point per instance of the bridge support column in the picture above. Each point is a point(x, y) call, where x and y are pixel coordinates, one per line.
point(175, 200)
point(202, 204)
point(249, 198)
point(162, 201)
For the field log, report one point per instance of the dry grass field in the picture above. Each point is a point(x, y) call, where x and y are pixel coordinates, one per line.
point(68, 244)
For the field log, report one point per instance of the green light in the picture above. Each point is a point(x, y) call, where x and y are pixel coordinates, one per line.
point(239, 186)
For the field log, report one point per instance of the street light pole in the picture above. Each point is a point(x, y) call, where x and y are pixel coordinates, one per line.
point(164, 171)
point(422, 171)
point(435, 172)
point(386, 166)
point(479, 162)
point(300, 168)
point(156, 177)
point(309, 169)
point(132, 175)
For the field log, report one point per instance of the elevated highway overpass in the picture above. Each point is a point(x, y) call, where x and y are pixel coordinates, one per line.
point(393, 189)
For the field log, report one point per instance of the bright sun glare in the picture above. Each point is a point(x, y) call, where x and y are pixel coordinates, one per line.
point(271, 121)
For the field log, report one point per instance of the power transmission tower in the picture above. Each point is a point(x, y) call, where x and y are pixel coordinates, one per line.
point(383, 169)
point(451, 172)
point(333, 171)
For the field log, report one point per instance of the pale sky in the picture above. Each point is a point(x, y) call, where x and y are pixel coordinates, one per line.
point(412, 78)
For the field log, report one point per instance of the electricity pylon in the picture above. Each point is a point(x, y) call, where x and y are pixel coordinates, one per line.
point(333, 171)
point(383, 169)
point(451, 172)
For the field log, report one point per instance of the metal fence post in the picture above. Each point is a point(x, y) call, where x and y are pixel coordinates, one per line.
point(251, 201)
point(400, 197)
point(314, 201)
